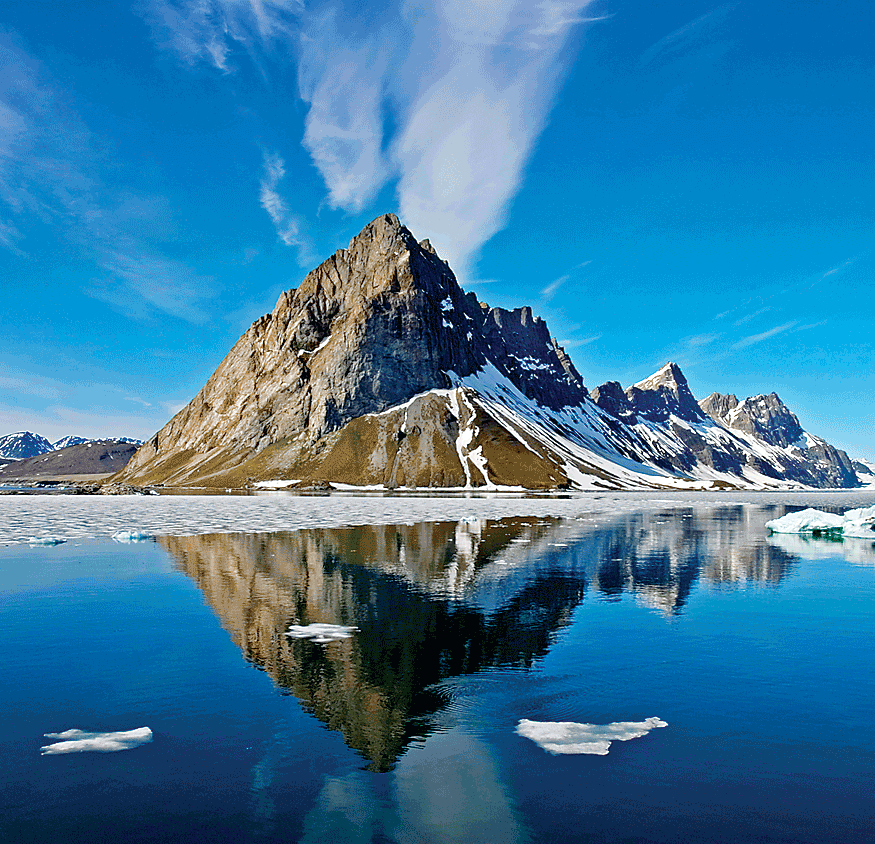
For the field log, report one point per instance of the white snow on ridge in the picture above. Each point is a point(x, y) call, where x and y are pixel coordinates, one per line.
point(582, 437)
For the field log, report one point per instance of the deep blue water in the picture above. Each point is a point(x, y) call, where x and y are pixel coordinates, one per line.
point(757, 652)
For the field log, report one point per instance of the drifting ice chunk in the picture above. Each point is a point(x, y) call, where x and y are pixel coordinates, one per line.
point(811, 521)
point(860, 523)
point(571, 737)
point(46, 540)
point(321, 634)
point(129, 536)
point(77, 741)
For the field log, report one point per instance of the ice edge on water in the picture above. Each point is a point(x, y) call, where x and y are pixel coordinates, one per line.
point(78, 741)
point(567, 737)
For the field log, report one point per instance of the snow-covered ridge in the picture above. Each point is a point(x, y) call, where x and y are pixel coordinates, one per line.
point(24, 444)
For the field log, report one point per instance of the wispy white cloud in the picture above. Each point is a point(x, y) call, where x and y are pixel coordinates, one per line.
point(753, 315)
point(765, 335)
point(688, 37)
point(212, 31)
point(697, 341)
point(30, 384)
point(576, 342)
point(52, 172)
point(550, 290)
point(289, 226)
point(157, 283)
point(59, 421)
point(446, 97)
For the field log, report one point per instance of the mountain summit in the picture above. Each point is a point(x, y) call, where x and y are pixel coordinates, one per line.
point(380, 370)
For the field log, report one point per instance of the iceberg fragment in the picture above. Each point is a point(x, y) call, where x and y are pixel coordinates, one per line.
point(321, 634)
point(858, 523)
point(78, 741)
point(46, 540)
point(568, 737)
point(128, 536)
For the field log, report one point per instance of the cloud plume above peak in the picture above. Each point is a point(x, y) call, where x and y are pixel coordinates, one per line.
point(288, 226)
point(443, 98)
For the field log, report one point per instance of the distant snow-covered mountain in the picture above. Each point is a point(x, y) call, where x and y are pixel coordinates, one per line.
point(23, 444)
point(67, 441)
point(865, 470)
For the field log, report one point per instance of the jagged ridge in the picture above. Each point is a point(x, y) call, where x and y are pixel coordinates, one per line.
point(379, 369)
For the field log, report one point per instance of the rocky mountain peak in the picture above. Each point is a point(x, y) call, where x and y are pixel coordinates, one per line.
point(718, 406)
point(768, 418)
point(663, 394)
point(611, 397)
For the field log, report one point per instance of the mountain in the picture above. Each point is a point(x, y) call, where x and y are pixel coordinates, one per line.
point(767, 419)
point(22, 445)
point(68, 441)
point(96, 457)
point(865, 471)
point(380, 370)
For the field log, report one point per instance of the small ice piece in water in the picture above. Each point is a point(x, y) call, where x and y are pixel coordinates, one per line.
point(46, 540)
point(321, 634)
point(77, 741)
point(571, 737)
point(129, 536)
point(811, 521)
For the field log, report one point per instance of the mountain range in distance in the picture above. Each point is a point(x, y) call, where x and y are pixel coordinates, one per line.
point(25, 455)
point(380, 371)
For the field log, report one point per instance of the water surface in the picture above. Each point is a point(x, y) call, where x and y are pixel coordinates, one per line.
point(755, 650)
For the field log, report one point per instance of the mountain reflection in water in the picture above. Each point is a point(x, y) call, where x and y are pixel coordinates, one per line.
point(437, 600)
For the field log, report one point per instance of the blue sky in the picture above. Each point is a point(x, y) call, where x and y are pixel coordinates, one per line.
point(684, 180)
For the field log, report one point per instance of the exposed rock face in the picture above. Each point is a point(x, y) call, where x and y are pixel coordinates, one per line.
point(378, 369)
point(766, 417)
point(612, 398)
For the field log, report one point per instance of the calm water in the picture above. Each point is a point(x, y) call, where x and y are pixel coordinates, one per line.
point(757, 652)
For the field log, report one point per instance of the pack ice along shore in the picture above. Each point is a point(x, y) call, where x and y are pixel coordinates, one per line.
point(379, 370)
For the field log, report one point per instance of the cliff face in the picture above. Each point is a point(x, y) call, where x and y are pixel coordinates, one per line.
point(379, 370)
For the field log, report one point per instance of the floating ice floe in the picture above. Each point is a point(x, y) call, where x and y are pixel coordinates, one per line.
point(45, 540)
point(129, 536)
point(321, 634)
point(78, 741)
point(859, 523)
point(570, 737)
